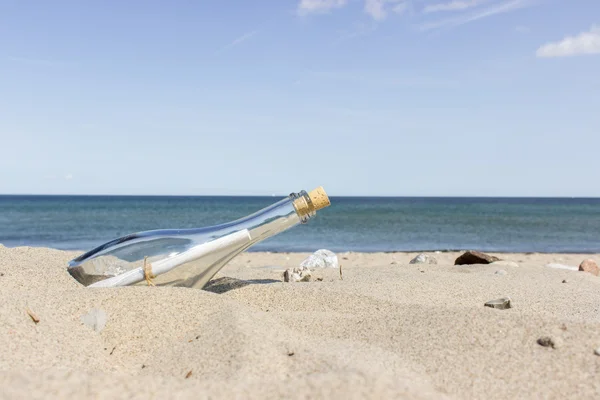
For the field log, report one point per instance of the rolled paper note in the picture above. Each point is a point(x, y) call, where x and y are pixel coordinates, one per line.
point(136, 275)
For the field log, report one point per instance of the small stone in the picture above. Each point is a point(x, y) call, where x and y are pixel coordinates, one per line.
point(504, 263)
point(547, 341)
point(590, 266)
point(564, 281)
point(394, 262)
point(423, 259)
point(500, 304)
point(95, 319)
point(501, 272)
point(597, 351)
point(297, 274)
point(475, 257)
point(321, 259)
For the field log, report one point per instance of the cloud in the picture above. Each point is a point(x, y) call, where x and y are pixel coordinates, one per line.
point(456, 5)
point(239, 40)
point(401, 8)
point(585, 43)
point(377, 9)
point(319, 6)
point(522, 29)
point(69, 177)
point(500, 8)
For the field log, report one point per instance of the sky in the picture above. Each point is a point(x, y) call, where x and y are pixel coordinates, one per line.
point(262, 97)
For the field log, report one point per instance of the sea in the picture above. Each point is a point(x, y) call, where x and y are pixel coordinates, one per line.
point(361, 224)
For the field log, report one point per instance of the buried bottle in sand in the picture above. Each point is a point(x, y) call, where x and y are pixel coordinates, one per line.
point(190, 257)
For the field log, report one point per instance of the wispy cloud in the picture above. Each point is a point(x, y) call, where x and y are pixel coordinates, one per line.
point(375, 8)
point(500, 8)
point(401, 8)
point(522, 29)
point(456, 5)
point(239, 40)
point(319, 6)
point(378, 9)
point(585, 43)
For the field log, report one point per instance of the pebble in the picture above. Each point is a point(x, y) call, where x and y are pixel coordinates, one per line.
point(597, 351)
point(547, 341)
point(475, 257)
point(590, 266)
point(298, 274)
point(501, 272)
point(423, 259)
point(500, 304)
point(564, 281)
point(95, 319)
point(321, 259)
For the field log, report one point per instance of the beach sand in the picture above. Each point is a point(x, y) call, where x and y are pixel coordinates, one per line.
point(389, 329)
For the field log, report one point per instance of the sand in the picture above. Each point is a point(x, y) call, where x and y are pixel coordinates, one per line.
point(389, 329)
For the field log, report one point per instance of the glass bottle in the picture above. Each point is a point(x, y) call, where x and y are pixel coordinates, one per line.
point(190, 257)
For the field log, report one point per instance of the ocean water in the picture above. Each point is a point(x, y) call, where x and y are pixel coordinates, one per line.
point(349, 224)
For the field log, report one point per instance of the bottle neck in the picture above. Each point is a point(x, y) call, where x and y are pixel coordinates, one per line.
point(303, 205)
point(296, 209)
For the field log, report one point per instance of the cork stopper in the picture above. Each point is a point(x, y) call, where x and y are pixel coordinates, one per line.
point(307, 204)
point(319, 198)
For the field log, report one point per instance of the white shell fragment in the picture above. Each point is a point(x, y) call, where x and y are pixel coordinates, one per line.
point(298, 274)
point(321, 259)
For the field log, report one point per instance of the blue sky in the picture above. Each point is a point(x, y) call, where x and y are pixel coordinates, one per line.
point(364, 97)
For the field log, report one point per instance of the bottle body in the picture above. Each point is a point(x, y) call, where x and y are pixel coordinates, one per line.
point(189, 257)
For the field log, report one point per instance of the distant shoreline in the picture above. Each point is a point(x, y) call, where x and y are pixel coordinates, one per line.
point(275, 196)
point(367, 225)
point(263, 251)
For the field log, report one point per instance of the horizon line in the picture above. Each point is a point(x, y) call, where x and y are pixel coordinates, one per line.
point(286, 195)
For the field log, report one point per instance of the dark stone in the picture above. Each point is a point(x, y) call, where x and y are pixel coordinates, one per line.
point(501, 304)
point(547, 341)
point(475, 257)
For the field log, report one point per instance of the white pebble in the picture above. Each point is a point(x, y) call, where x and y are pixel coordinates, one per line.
point(321, 259)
